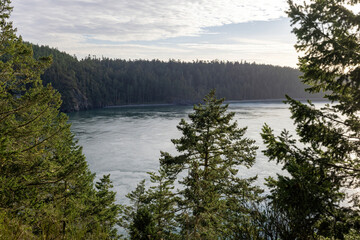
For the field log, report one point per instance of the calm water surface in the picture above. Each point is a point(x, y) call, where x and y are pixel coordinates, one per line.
point(126, 141)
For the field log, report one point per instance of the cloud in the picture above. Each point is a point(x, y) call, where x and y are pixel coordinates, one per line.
point(160, 29)
point(259, 51)
point(129, 20)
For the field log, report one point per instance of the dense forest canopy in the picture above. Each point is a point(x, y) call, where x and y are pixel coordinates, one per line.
point(317, 197)
point(93, 82)
point(47, 190)
point(46, 187)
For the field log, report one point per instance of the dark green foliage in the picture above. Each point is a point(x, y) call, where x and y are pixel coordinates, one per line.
point(212, 201)
point(104, 209)
point(162, 202)
point(323, 162)
point(45, 183)
point(142, 227)
point(93, 82)
point(152, 214)
point(138, 219)
point(211, 150)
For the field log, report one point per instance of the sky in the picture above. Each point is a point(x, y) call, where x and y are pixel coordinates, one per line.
point(187, 30)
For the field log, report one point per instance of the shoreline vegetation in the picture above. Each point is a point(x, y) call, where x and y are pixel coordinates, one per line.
point(48, 192)
point(95, 83)
point(46, 188)
point(225, 102)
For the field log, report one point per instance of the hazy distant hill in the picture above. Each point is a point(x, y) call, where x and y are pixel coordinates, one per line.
point(92, 82)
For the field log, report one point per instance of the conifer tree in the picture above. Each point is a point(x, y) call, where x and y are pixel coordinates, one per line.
point(323, 163)
point(162, 202)
point(45, 183)
point(212, 201)
point(137, 218)
point(153, 210)
point(211, 150)
point(103, 210)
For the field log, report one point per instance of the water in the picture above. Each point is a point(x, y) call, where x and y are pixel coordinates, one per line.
point(126, 141)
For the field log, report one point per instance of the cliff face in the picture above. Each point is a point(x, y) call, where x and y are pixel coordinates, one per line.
point(76, 101)
point(81, 102)
point(93, 83)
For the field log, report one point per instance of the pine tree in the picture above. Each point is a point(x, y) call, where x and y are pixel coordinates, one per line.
point(104, 210)
point(324, 162)
point(162, 202)
point(137, 218)
point(212, 201)
point(151, 214)
point(211, 150)
point(45, 183)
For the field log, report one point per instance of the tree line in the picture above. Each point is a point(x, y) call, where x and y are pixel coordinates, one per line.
point(47, 190)
point(95, 83)
point(46, 187)
point(318, 195)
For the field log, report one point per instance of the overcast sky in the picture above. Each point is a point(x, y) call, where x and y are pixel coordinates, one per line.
point(251, 30)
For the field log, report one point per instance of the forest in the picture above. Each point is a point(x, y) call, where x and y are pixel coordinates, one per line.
point(48, 192)
point(95, 83)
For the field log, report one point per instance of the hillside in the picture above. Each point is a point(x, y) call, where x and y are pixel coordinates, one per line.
point(93, 82)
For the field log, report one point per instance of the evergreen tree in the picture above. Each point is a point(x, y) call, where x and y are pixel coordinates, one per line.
point(323, 163)
point(152, 213)
point(137, 218)
point(212, 201)
point(93, 83)
point(211, 150)
point(162, 202)
point(45, 183)
point(103, 209)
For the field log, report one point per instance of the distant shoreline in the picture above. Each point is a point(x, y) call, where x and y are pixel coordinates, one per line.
point(275, 100)
point(227, 102)
point(142, 105)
